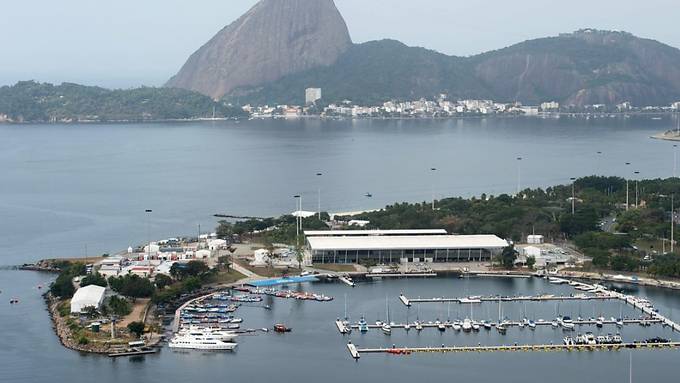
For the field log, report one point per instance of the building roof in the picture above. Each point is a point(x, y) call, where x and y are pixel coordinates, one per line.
point(91, 295)
point(407, 242)
point(344, 233)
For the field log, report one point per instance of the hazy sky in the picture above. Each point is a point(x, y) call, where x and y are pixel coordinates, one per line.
point(126, 43)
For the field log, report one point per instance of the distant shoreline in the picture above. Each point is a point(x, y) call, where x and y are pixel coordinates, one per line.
point(542, 115)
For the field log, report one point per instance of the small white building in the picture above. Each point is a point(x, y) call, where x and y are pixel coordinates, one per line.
point(202, 254)
point(261, 258)
point(535, 239)
point(88, 296)
point(532, 251)
point(216, 244)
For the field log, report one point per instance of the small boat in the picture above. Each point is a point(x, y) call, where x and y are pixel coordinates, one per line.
point(281, 328)
point(619, 322)
point(599, 322)
point(554, 324)
point(419, 326)
point(363, 326)
point(407, 327)
point(440, 326)
point(567, 323)
point(457, 325)
point(487, 325)
point(475, 326)
point(532, 324)
point(386, 329)
point(467, 325)
point(501, 328)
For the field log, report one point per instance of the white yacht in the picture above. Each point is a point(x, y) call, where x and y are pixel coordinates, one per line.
point(201, 342)
point(208, 332)
point(467, 325)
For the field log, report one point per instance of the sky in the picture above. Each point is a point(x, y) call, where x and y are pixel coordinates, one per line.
point(127, 43)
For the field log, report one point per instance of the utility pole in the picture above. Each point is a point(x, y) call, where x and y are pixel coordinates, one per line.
point(573, 196)
point(297, 222)
point(627, 201)
point(637, 181)
point(319, 195)
point(519, 175)
point(433, 170)
point(672, 222)
point(148, 233)
point(675, 160)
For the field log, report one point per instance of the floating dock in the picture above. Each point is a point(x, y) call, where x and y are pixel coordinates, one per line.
point(132, 352)
point(356, 352)
point(401, 275)
point(467, 300)
point(345, 328)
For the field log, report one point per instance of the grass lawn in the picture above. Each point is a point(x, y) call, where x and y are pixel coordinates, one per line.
point(334, 267)
point(268, 272)
point(226, 277)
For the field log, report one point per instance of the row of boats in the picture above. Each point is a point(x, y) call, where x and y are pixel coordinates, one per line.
point(467, 325)
point(286, 294)
point(589, 339)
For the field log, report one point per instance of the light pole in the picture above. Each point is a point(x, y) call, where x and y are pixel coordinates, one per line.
point(573, 195)
point(319, 194)
point(627, 204)
point(519, 175)
point(672, 222)
point(148, 232)
point(433, 170)
point(636, 188)
point(675, 160)
point(599, 163)
point(297, 218)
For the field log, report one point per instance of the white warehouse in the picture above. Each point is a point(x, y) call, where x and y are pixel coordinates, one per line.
point(402, 246)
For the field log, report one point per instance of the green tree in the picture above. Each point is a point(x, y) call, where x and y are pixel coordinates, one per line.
point(93, 279)
point(132, 286)
point(507, 257)
point(531, 261)
point(162, 280)
point(136, 328)
point(119, 306)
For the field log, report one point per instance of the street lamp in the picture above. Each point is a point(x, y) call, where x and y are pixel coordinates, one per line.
point(599, 163)
point(637, 181)
point(627, 204)
point(319, 194)
point(148, 232)
point(297, 218)
point(573, 196)
point(519, 175)
point(433, 170)
point(675, 160)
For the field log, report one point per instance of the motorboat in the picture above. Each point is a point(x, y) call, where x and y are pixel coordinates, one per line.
point(386, 329)
point(440, 326)
point(599, 322)
point(532, 324)
point(279, 327)
point(467, 325)
point(201, 342)
point(363, 326)
point(419, 326)
point(475, 326)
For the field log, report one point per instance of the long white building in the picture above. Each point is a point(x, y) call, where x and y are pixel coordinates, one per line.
point(401, 246)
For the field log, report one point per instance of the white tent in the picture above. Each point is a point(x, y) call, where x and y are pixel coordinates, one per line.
point(88, 296)
point(261, 258)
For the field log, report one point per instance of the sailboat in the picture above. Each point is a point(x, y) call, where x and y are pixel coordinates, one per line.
point(419, 326)
point(345, 320)
point(387, 327)
point(407, 326)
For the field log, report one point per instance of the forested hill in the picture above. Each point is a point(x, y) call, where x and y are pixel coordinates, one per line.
point(581, 68)
point(30, 101)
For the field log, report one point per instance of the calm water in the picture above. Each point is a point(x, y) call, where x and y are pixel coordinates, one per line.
point(315, 350)
point(76, 190)
point(71, 190)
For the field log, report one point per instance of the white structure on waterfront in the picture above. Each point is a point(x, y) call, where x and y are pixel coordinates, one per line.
point(88, 296)
point(312, 95)
point(535, 239)
point(401, 246)
point(261, 258)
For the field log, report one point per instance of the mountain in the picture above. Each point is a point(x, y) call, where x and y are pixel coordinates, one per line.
point(584, 67)
point(29, 101)
point(273, 39)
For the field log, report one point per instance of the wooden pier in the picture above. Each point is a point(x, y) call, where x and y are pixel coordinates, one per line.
point(356, 352)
